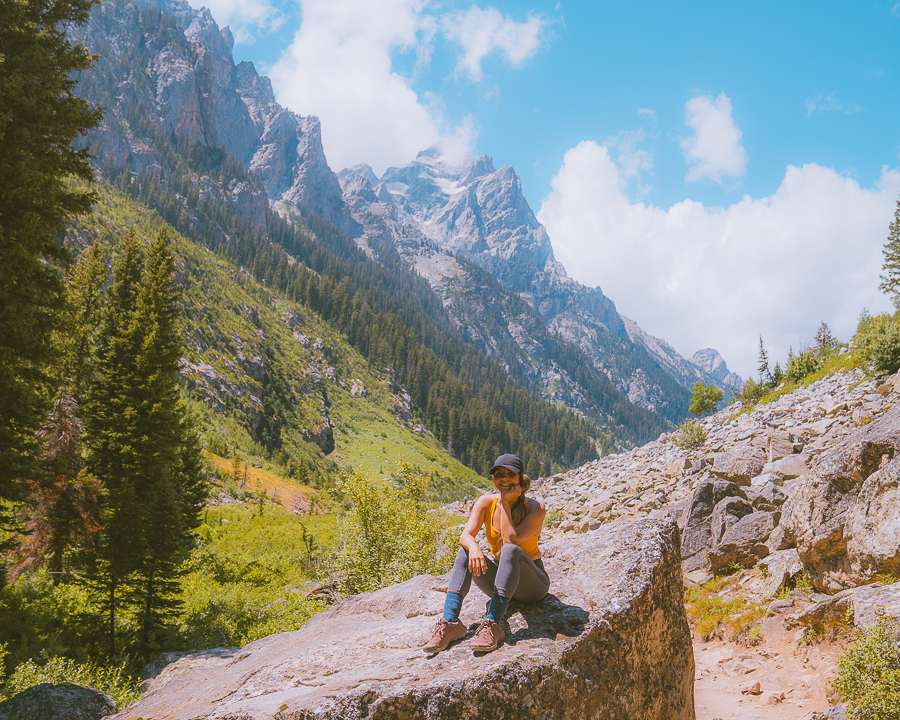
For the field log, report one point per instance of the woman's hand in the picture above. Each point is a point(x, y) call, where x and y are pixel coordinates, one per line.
point(477, 563)
point(510, 494)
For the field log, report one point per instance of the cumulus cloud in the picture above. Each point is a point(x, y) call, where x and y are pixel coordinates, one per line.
point(715, 151)
point(247, 19)
point(829, 103)
point(483, 31)
point(719, 277)
point(339, 67)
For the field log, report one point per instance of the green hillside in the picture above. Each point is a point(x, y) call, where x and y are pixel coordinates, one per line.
point(269, 380)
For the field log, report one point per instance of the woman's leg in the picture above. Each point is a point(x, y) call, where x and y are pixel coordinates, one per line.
point(518, 578)
point(461, 580)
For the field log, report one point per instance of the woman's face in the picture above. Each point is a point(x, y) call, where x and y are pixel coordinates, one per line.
point(504, 479)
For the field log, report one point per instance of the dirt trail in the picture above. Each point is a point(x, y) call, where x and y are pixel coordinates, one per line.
point(793, 677)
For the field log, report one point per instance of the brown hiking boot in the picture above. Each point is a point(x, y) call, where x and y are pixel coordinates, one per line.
point(488, 635)
point(443, 634)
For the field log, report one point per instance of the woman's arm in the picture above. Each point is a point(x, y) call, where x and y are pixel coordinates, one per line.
point(477, 563)
point(531, 523)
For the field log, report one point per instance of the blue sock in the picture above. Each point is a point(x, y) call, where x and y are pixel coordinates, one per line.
point(452, 606)
point(497, 607)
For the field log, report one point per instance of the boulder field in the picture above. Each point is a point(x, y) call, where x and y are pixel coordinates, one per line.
point(611, 641)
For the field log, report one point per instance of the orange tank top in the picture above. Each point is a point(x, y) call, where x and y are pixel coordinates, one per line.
point(530, 546)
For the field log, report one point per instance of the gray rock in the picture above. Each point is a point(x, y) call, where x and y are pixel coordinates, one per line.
point(63, 701)
point(745, 541)
point(874, 601)
point(740, 464)
point(873, 525)
point(726, 514)
point(816, 514)
point(612, 640)
point(780, 444)
point(697, 536)
point(781, 568)
point(831, 609)
point(788, 467)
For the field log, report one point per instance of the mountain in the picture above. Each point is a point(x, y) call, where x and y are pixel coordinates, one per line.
point(714, 365)
point(432, 212)
point(438, 273)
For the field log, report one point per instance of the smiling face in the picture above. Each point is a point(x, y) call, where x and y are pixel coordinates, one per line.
point(504, 479)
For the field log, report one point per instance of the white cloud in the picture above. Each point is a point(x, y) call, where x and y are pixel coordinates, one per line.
point(247, 19)
point(830, 103)
point(633, 160)
point(481, 32)
point(715, 151)
point(718, 277)
point(339, 68)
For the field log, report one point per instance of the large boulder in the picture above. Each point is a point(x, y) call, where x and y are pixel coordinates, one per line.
point(740, 464)
point(697, 539)
point(611, 641)
point(62, 701)
point(744, 542)
point(841, 501)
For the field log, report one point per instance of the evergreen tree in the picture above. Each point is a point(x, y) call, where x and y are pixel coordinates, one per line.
point(704, 399)
point(825, 341)
point(890, 280)
point(171, 488)
point(142, 446)
point(765, 375)
point(112, 437)
point(39, 120)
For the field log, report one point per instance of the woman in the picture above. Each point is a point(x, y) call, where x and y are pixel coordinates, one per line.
point(512, 524)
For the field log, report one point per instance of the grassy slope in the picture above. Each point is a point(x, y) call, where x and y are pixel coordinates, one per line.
point(265, 379)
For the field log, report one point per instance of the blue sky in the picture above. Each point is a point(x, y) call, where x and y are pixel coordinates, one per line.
point(720, 169)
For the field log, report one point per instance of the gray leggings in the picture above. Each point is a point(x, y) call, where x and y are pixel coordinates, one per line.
point(516, 576)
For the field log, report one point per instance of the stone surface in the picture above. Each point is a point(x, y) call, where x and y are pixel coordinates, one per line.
point(869, 603)
point(782, 566)
point(63, 701)
point(788, 467)
point(744, 542)
point(697, 538)
point(740, 464)
point(611, 641)
point(817, 514)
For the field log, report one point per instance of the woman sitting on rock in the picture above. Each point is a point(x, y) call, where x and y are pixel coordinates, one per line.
point(512, 524)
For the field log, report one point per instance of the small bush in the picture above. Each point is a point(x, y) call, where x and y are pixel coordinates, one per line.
point(754, 637)
point(799, 366)
point(112, 680)
point(869, 674)
point(690, 435)
point(389, 535)
point(711, 615)
point(752, 391)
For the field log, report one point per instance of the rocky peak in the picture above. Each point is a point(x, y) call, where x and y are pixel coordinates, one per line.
point(713, 364)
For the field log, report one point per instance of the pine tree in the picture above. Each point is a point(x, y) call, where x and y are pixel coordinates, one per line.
point(890, 280)
point(39, 120)
point(112, 438)
point(704, 399)
point(825, 341)
point(765, 375)
point(172, 489)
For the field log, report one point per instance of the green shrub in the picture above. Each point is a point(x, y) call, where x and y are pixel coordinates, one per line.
point(111, 680)
point(752, 391)
point(389, 535)
point(869, 674)
point(878, 341)
point(690, 435)
point(247, 578)
point(799, 366)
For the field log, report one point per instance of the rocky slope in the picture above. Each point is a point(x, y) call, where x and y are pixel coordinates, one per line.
point(813, 473)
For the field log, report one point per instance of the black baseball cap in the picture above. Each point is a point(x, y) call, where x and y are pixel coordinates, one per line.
point(510, 462)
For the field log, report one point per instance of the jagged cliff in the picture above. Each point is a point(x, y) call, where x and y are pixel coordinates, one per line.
point(433, 212)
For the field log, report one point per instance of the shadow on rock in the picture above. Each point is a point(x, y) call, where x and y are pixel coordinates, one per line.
point(549, 618)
